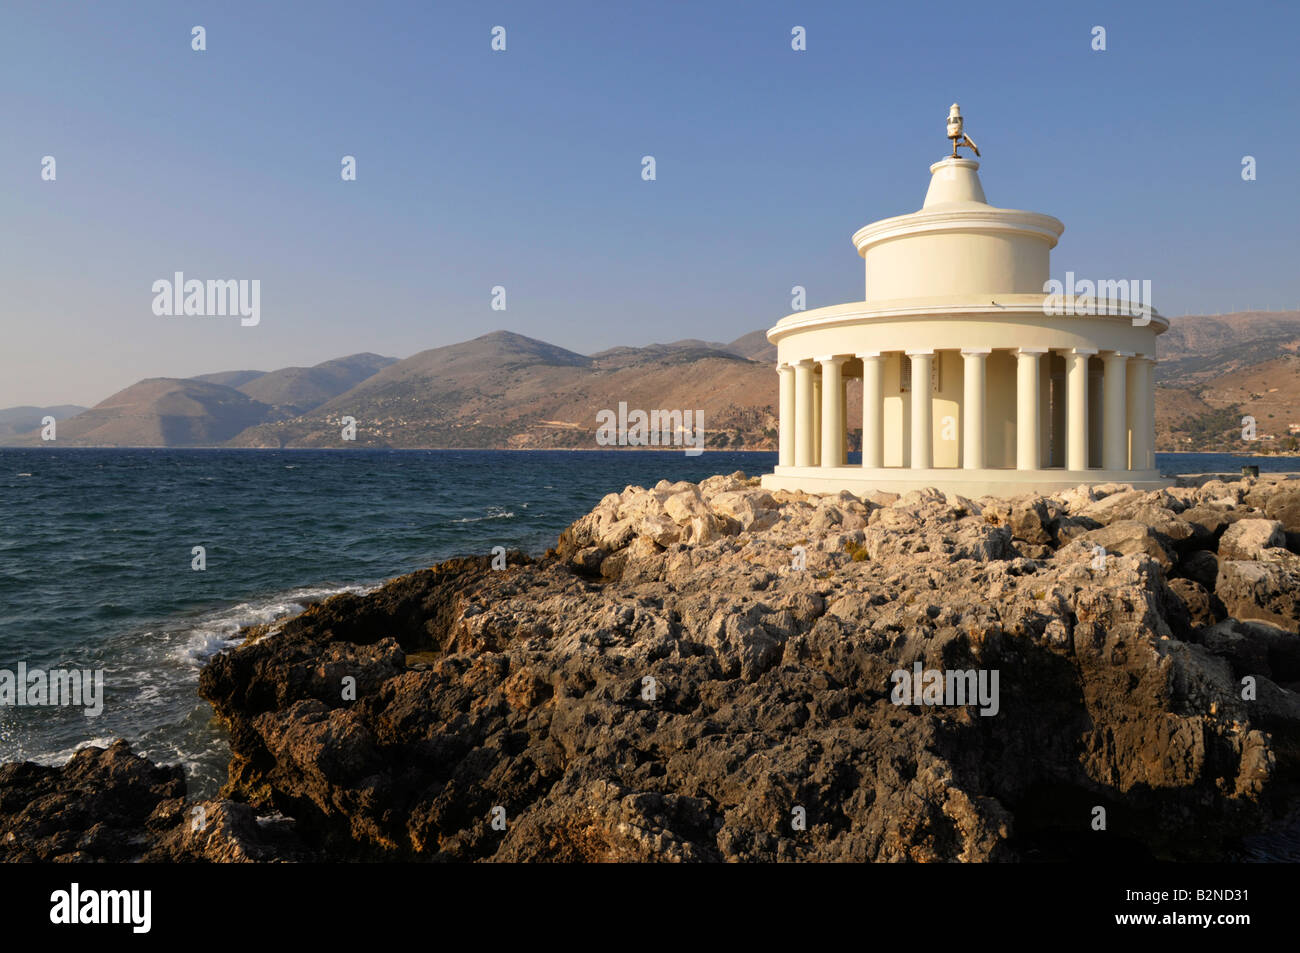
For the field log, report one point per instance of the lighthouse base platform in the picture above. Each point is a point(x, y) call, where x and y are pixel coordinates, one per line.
point(862, 481)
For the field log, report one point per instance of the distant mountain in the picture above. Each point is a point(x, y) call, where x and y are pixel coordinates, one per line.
point(1198, 335)
point(297, 390)
point(679, 352)
point(1216, 369)
point(235, 379)
point(16, 422)
point(1200, 347)
point(199, 411)
point(507, 390)
point(162, 412)
point(754, 346)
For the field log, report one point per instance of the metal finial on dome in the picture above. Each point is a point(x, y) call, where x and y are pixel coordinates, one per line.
point(955, 133)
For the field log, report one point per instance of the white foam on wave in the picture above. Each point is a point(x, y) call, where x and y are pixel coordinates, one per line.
point(220, 630)
point(57, 759)
point(499, 514)
point(154, 673)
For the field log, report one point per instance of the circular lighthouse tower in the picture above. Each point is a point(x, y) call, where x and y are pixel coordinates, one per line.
point(979, 375)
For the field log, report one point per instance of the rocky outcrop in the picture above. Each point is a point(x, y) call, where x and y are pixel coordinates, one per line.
point(715, 672)
point(1250, 539)
point(109, 805)
point(704, 672)
point(1265, 590)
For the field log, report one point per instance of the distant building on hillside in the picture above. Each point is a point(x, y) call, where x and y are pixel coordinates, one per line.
point(979, 376)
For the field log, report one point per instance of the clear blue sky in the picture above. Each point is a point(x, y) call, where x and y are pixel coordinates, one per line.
point(523, 168)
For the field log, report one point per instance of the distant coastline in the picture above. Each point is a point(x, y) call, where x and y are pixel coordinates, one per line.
point(365, 447)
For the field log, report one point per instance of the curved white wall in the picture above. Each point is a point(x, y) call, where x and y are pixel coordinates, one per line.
point(955, 263)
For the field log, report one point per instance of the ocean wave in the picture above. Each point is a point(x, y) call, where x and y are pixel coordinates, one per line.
point(152, 674)
point(57, 759)
point(500, 514)
point(219, 631)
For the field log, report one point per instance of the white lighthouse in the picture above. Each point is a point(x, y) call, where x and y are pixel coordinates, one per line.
point(979, 376)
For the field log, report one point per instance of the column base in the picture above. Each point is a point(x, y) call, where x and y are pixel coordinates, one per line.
point(862, 481)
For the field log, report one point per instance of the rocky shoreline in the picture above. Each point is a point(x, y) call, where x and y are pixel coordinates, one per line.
point(709, 672)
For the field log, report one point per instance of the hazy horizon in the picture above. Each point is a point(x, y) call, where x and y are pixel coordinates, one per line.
point(522, 168)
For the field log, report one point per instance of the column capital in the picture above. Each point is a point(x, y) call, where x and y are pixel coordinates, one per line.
point(802, 362)
point(867, 355)
point(920, 352)
point(1111, 355)
point(1084, 351)
point(976, 351)
point(781, 367)
point(1144, 358)
point(1030, 351)
point(832, 359)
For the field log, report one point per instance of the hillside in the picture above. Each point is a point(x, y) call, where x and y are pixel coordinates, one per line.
point(507, 390)
point(297, 390)
point(162, 412)
point(1216, 369)
point(17, 422)
point(235, 379)
point(754, 346)
point(1202, 335)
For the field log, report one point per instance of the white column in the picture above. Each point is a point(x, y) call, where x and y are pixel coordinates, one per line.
point(973, 402)
point(873, 409)
point(922, 410)
point(1132, 384)
point(1149, 418)
point(1076, 408)
point(817, 420)
point(1028, 412)
point(1113, 416)
point(785, 421)
point(1139, 413)
point(803, 413)
point(844, 420)
point(1045, 410)
point(832, 411)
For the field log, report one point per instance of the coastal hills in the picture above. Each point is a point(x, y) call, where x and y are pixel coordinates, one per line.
point(299, 390)
point(505, 390)
point(205, 411)
point(16, 421)
point(1216, 369)
point(161, 412)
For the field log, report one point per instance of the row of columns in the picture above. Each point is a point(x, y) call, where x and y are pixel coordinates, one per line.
point(813, 409)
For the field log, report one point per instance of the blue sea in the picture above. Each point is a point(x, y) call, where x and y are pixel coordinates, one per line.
point(96, 558)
